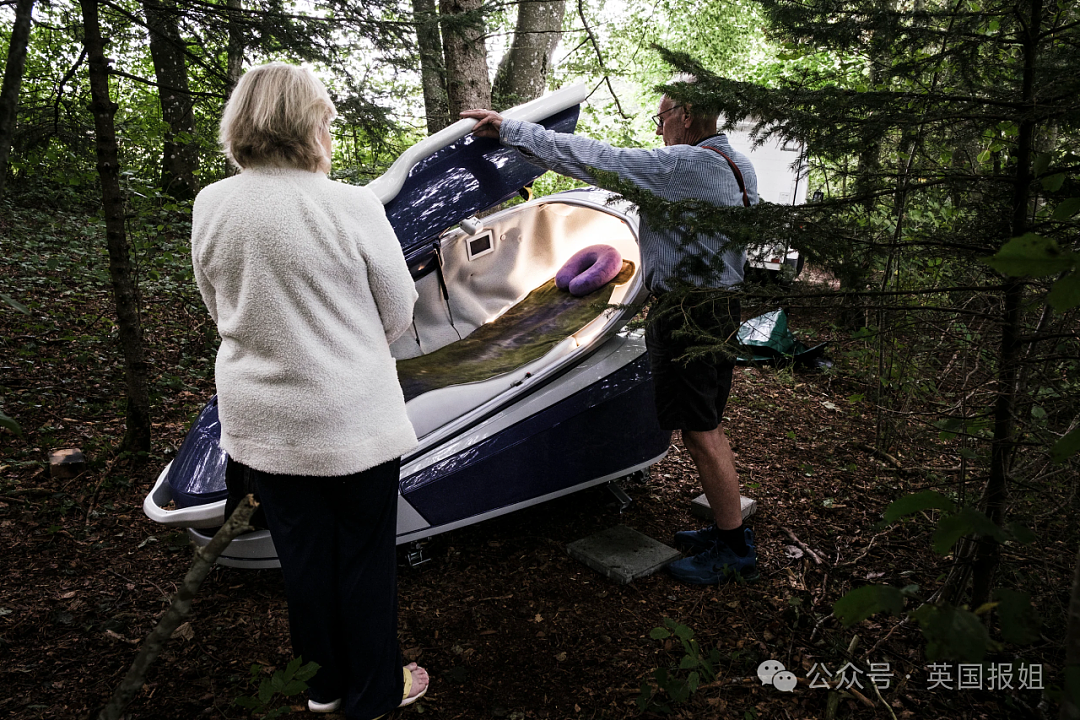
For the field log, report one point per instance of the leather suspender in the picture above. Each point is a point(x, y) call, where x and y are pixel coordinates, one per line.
point(734, 169)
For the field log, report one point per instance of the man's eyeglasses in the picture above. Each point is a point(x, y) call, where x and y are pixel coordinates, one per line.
point(658, 118)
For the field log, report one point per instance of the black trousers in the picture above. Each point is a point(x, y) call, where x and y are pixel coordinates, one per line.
point(335, 538)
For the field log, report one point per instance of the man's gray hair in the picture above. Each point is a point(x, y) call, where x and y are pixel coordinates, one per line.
point(690, 79)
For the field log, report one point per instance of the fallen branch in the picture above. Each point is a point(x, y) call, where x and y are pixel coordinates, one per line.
point(880, 454)
point(917, 469)
point(894, 628)
point(804, 546)
point(97, 488)
point(5, 498)
point(145, 582)
point(178, 610)
point(29, 491)
point(866, 551)
point(898, 467)
point(818, 624)
point(884, 704)
point(858, 696)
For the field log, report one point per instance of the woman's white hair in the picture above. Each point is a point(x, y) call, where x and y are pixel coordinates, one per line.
point(276, 116)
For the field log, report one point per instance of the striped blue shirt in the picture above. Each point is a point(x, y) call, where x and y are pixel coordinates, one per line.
point(674, 173)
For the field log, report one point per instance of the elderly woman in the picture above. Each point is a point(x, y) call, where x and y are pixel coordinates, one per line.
point(307, 285)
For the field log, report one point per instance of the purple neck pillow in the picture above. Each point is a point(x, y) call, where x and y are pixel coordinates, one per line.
point(589, 269)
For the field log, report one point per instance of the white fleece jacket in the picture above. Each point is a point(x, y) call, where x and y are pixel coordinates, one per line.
point(308, 286)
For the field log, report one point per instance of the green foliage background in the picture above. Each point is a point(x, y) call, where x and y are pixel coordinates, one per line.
point(943, 135)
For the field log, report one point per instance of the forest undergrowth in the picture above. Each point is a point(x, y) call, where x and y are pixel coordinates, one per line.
point(506, 622)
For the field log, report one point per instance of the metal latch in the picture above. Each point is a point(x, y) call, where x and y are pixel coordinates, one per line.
point(414, 553)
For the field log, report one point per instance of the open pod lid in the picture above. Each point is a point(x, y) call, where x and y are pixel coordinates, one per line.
point(452, 174)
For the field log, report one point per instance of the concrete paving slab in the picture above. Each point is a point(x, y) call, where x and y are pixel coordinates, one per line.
point(700, 507)
point(622, 553)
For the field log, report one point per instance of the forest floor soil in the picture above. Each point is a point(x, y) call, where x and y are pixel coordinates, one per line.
point(507, 624)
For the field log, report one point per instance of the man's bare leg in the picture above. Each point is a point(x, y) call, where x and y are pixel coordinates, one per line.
point(715, 463)
point(728, 554)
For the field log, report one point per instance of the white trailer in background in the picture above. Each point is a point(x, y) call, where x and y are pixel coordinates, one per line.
point(782, 179)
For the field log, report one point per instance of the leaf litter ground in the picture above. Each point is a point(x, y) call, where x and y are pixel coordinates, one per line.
point(508, 625)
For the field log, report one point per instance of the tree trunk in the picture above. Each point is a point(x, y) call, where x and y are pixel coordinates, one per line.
point(236, 45)
point(1070, 701)
point(522, 73)
point(13, 72)
point(180, 155)
point(432, 70)
point(995, 494)
point(235, 62)
point(854, 271)
point(137, 436)
point(467, 82)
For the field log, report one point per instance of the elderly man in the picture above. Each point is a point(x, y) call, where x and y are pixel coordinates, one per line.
point(696, 163)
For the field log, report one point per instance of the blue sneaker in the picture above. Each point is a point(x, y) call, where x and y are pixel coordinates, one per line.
point(696, 541)
point(718, 564)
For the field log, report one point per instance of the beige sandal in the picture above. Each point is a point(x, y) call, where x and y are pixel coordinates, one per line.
point(405, 699)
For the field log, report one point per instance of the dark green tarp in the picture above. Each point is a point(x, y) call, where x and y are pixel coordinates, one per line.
point(767, 339)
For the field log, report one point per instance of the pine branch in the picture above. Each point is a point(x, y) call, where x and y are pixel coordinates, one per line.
point(139, 22)
point(151, 83)
point(178, 610)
